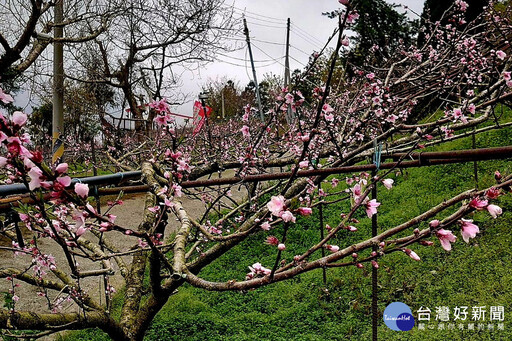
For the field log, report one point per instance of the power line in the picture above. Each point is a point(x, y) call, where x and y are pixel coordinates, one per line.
point(268, 42)
point(296, 48)
point(307, 33)
point(258, 18)
point(264, 25)
point(240, 65)
point(298, 61)
point(242, 59)
point(305, 38)
point(258, 14)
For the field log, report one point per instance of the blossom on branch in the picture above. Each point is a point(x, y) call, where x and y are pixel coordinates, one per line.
point(468, 229)
point(82, 190)
point(494, 210)
point(446, 237)
point(371, 207)
point(412, 254)
point(388, 183)
point(276, 205)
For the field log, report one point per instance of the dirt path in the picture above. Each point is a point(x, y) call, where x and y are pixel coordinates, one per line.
point(128, 215)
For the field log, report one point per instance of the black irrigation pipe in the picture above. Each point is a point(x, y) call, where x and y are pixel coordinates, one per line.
point(110, 179)
point(418, 160)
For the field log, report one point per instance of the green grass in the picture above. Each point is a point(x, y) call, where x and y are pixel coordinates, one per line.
point(475, 274)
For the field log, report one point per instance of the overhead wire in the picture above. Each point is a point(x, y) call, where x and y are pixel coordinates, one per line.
point(258, 14)
point(242, 59)
point(263, 25)
point(268, 42)
point(305, 38)
point(245, 15)
point(304, 52)
point(244, 66)
point(306, 33)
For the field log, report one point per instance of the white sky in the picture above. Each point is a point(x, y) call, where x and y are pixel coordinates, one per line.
point(267, 26)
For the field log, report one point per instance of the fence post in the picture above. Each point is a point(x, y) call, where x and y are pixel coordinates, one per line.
point(375, 311)
point(321, 212)
point(475, 163)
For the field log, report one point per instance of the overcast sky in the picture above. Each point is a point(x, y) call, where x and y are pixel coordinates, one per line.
point(267, 25)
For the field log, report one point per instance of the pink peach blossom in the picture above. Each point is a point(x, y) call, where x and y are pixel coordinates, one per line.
point(19, 118)
point(35, 175)
point(352, 228)
point(388, 183)
point(265, 226)
point(412, 254)
point(245, 131)
point(6, 98)
point(494, 210)
point(65, 181)
point(332, 248)
point(446, 237)
point(500, 54)
point(492, 193)
point(478, 203)
point(371, 207)
point(304, 164)
point(272, 240)
point(305, 211)
point(434, 223)
point(82, 189)
point(61, 168)
point(276, 205)
point(468, 229)
point(287, 216)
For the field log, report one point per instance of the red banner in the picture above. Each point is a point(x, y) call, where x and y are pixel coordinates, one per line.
point(199, 116)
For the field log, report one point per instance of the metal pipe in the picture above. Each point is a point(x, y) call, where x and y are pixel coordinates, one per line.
point(481, 153)
point(108, 179)
point(337, 170)
point(426, 159)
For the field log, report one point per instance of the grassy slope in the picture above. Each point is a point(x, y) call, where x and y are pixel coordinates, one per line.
point(305, 309)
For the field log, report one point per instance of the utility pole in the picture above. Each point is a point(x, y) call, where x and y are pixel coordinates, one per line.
point(287, 60)
point(289, 113)
point(222, 96)
point(58, 83)
point(246, 32)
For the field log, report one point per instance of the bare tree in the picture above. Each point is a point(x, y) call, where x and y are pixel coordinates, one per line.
point(26, 29)
point(140, 50)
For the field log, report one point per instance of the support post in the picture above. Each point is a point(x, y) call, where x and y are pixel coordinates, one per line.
point(223, 109)
point(375, 311)
point(475, 163)
point(321, 212)
point(377, 146)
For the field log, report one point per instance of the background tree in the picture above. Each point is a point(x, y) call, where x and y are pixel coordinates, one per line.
point(143, 46)
point(380, 28)
point(26, 29)
point(436, 9)
point(224, 94)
